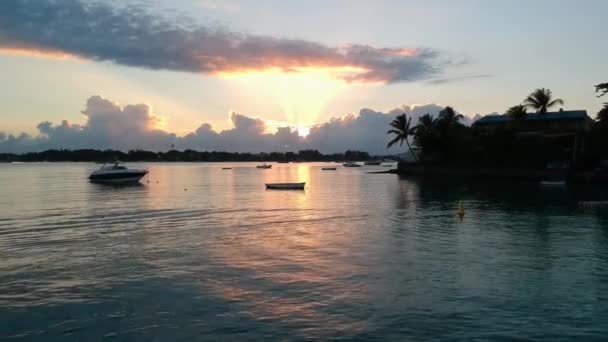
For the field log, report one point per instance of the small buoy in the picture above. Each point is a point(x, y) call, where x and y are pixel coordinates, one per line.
point(156, 182)
point(185, 189)
point(460, 211)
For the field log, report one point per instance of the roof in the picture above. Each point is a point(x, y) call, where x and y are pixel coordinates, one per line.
point(569, 115)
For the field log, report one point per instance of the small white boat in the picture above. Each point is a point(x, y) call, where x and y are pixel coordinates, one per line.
point(351, 164)
point(285, 186)
point(264, 166)
point(328, 168)
point(117, 173)
point(593, 204)
point(553, 183)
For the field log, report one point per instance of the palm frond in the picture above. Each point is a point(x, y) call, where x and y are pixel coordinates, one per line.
point(541, 100)
point(555, 102)
point(394, 141)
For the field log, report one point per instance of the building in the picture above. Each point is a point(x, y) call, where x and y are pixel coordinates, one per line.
point(563, 132)
point(566, 122)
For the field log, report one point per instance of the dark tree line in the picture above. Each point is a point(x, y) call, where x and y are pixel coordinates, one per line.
point(443, 139)
point(91, 155)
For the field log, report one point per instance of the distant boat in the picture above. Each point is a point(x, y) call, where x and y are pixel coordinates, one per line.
point(285, 186)
point(264, 166)
point(226, 168)
point(328, 168)
point(373, 162)
point(592, 204)
point(282, 162)
point(351, 164)
point(553, 183)
point(117, 173)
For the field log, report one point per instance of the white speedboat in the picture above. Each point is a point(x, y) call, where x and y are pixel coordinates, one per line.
point(264, 166)
point(117, 173)
point(285, 186)
point(351, 164)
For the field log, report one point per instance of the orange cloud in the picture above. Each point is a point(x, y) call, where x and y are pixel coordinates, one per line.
point(38, 53)
point(75, 29)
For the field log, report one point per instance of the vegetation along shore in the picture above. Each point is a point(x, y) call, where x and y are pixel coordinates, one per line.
point(533, 140)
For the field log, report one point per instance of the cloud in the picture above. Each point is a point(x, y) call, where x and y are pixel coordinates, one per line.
point(247, 135)
point(450, 79)
point(132, 36)
point(108, 125)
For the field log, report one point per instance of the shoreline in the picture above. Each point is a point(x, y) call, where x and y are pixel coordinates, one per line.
point(497, 173)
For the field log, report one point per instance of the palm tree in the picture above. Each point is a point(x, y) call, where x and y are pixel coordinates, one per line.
point(426, 122)
point(426, 133)
point(540, 100)
point(602, 115)
point(403, 129)
point(517, 112)
point(448, 117)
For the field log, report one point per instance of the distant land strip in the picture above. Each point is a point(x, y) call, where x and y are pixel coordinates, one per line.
point(92, 155)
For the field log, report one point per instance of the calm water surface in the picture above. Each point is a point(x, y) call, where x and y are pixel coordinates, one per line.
point(201, 253)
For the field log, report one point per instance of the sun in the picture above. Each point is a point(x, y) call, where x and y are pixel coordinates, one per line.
point(303, 131)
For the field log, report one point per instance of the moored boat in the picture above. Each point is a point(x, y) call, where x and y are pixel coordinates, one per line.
point(117, 173)
point(285, 186)
point(351, 164)
point(264, 166)
point(328, 168)
point(553, 183)
point(373, 162)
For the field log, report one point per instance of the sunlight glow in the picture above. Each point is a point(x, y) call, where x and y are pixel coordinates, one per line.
point(303, 131)
point(302, 93)
point(38, 53)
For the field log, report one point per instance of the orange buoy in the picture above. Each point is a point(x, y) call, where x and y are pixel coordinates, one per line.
point(460, 211)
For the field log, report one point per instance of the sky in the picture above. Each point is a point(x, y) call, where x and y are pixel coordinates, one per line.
point(279, 75)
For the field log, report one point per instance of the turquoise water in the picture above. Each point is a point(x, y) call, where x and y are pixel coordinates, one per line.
point(201, 253)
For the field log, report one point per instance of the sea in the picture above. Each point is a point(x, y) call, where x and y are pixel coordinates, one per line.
point(199, 253)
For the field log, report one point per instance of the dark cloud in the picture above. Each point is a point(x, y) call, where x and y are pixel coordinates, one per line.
point(134, 37)
point(20, 143)
point(444, 80)
point(109, 125)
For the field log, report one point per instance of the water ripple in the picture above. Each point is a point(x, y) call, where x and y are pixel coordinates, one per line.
point(210, 255)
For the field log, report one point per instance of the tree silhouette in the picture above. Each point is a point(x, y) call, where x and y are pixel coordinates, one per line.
point(517, 112)
point(448, 117)
point(602, 89)
point(541, 100)
point(602, 116)
point(402, 129)
point(427, 134)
